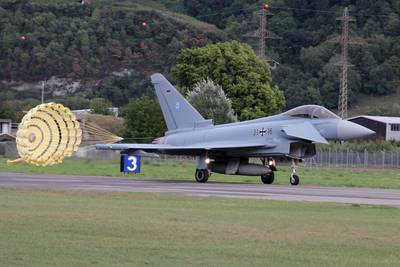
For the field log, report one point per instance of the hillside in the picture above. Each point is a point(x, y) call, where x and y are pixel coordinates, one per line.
point(109, 48)
point(306, 48)
point(105, 49)
point(386, 105)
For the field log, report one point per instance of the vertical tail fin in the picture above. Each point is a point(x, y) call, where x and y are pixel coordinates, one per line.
point(177, 111)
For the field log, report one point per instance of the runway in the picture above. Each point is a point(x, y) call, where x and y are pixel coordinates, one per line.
point(367, 196)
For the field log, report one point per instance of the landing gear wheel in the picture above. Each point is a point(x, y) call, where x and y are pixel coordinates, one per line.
point(268, 178)
point(202, 175)
point(294, 179)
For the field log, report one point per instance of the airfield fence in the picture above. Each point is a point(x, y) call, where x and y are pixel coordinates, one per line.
point(334, 158)
point(326, 158)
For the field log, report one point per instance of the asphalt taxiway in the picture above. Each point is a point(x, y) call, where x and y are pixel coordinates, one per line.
point(368, 196)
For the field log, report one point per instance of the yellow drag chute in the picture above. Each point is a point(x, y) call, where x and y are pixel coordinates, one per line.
point(47, 134)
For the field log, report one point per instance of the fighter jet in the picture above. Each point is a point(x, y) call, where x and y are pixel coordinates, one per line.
point(228, 148)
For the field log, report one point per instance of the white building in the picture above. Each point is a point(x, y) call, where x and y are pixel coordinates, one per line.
point(7, 130)
point(5, 126)
point(114, 111)
point(386, 128)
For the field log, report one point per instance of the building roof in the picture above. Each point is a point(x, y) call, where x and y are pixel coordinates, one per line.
point(383, 119)
point(6, 137)
point(5, 120)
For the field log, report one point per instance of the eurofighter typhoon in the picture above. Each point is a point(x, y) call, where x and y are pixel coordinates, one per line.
point(227, 148)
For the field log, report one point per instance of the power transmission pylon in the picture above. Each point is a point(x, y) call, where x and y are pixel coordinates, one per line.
point(262, 34)
point(344, 41)
point(263, 31)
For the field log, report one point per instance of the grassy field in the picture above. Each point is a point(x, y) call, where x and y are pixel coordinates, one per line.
point(367, 103)
point(75, 228)
point(183, 170)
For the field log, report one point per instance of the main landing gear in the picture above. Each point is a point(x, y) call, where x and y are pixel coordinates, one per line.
point(202, 175)
point(294, 178)
point(269, 177)
point(202, 172)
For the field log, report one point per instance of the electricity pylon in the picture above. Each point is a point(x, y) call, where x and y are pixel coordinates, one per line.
point(262, 34)
point(344, 41)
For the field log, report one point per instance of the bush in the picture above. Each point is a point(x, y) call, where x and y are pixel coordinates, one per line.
point(210, 100)
point(101, 106)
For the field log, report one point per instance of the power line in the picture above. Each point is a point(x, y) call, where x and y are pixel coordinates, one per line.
point(233, 10)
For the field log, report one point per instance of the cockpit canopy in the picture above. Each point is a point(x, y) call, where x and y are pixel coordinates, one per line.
point(311, 112)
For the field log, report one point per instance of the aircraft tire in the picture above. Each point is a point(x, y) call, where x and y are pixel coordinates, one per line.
point(268, 178)
point(202, 175)
point(294, 179)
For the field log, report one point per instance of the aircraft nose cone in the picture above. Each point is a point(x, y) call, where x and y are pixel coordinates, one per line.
point(350, 130)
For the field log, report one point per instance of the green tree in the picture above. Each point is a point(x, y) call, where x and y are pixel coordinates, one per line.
point(245, 78)
point(100, 106)
point(72, 102)
point(210, 100)
point(143, 118)
point(7, 110)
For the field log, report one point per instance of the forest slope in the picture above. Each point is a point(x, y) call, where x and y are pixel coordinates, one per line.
point(117, 46)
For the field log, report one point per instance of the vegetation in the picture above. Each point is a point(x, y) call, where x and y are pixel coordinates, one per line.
point(7, 110)
point(73, 102)
point(244, 77)
point(373, 105)
point(306, 53)
point(184, 170)
point(15, 109)
point(117, 44)
point(91, 42)
point(101, 106)
point(384, 110)
point(210, 100)
point(361, 146)
point(143, 120)
point(111, 124)
point(80, 228)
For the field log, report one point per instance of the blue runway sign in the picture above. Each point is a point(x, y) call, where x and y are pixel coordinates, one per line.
point(130, 163)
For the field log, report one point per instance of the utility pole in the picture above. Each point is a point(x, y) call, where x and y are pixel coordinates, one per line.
point(344, 42)
point(43, 82)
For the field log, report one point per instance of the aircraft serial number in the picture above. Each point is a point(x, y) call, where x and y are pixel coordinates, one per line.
point(262, 131)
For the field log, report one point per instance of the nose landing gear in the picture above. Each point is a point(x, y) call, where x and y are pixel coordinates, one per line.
point(294, 178)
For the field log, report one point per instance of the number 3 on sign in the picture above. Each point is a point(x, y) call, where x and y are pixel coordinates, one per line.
point(131, 164)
